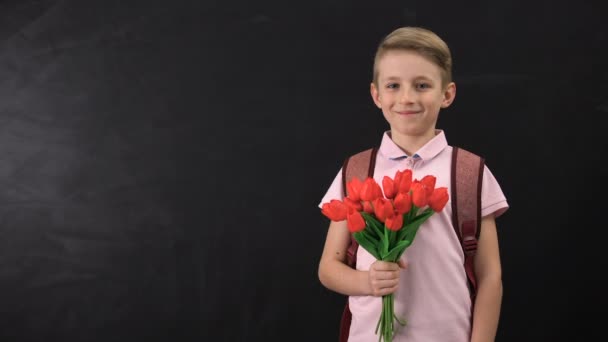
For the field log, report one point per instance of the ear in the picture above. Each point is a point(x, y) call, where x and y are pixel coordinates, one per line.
point(448, 95)
point(375, 95)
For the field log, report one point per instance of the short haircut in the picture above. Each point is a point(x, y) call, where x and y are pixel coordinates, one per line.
point(422, 41)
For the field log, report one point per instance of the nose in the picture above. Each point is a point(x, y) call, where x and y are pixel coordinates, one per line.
point(407, 95)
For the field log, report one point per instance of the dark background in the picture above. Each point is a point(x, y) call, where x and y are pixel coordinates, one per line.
point(161, 163)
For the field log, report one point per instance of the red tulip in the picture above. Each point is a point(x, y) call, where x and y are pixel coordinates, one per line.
point(383, 209)
point(335, 210)
point(403, 180)
point(353, 204)
point(419, 195)
point(439, 199)
point(403, 203)
point(397, 179)
point(429, 184)
point(367, 207)
point(354, 188)
point(354, 221)
point(370, 190)
point(389, 187)
point(394, 223)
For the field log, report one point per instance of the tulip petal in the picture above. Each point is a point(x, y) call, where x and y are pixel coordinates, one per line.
point(405, 181)
point(370, 190)
point(403, 203)
point(419, 195)
point(388, 185)
point(439, 199)
point(354, 188)
point(335, 210)
point(429, 184)
point(354, 220)
point(395, 222)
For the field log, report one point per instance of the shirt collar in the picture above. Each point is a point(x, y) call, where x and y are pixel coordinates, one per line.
point(392, 151)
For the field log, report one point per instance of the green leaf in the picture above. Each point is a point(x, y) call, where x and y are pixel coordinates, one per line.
point(396, 252)
point(421, 217)
point(370, 236)
point(412, 213)
point(366, 243)
point(373, 223)
point(385, 242)
point(392, 237)
point(409, 230)
point(403, 250)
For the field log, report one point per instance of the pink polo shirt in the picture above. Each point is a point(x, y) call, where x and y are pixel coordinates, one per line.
point(432, 296)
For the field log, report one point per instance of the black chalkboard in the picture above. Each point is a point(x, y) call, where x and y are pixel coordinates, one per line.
point(161, 163)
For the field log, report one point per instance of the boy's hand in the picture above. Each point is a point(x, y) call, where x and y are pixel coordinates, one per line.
point(384, 277)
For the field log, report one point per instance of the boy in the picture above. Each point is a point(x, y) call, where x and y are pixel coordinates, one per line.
point(412, 81)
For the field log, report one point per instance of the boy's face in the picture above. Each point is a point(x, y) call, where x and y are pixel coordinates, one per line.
point(410, 93)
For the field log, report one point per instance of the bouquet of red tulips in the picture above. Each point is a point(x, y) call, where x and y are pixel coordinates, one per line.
point(384, 220)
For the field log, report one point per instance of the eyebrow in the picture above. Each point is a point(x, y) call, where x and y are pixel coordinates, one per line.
point(420, 77)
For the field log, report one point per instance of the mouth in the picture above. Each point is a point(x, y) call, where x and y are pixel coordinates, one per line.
point(408, 112)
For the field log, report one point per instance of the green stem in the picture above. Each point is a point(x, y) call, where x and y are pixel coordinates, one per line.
point(387, 308)
point(387, 323)
point(381, 318)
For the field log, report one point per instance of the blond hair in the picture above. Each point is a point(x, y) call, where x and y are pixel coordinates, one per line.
point(422, 41)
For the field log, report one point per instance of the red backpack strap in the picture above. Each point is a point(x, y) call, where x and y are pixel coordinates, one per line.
point(467, 175)
point(360, 165)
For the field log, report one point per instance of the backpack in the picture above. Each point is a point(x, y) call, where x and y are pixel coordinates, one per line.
point(467, 173)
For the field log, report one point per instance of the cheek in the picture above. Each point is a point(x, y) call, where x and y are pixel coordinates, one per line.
point(387, 100)
point(387, 116)
point(384, 101)
point(435, 102)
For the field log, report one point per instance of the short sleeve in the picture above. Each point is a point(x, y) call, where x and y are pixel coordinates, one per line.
point(493, 200)
point(335, 190)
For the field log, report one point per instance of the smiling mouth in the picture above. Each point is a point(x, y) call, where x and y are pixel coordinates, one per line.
point(408, 112)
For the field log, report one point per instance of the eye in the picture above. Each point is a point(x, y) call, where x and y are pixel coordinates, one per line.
point(392, 86)
point(422, 86)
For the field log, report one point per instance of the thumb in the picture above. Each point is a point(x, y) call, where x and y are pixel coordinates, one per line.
point(402, 263)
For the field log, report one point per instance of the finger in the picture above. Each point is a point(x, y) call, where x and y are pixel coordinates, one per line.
point(384, 286)
point(402, 263)
point(386, 275)
point(384, 290)
point(385, 266)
